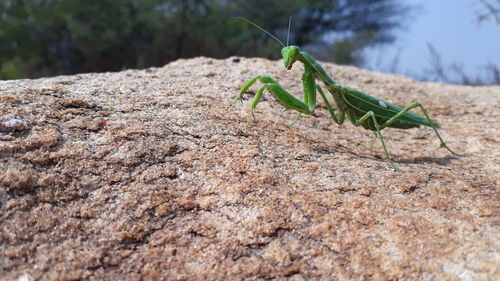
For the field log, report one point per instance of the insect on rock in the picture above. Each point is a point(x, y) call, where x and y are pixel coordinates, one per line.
point(361, 109)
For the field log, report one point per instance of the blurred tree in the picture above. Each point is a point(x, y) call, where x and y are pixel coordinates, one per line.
point(490, 9)
point(51, 37)
point(455, 72)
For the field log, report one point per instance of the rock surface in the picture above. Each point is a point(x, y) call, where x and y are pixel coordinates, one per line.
point(145, 175)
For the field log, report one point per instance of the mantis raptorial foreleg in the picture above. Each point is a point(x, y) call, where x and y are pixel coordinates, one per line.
point(284, 97)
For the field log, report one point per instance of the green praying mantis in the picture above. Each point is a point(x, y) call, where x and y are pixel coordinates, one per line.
point(361, 109)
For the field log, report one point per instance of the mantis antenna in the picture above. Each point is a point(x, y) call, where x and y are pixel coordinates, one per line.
point(268, 33)
point(288, 34)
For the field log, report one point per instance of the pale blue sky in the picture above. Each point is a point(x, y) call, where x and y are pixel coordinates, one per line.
point(451, 27)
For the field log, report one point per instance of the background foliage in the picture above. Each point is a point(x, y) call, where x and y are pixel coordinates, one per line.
point(52, 37)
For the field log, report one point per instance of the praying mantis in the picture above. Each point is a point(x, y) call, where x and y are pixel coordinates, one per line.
point(361, 109)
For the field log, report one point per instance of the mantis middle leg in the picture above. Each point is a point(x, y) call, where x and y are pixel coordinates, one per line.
point(358, 122)
point(339, 120)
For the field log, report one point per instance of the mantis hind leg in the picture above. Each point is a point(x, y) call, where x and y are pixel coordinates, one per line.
point(408, 108)
point(365, 118)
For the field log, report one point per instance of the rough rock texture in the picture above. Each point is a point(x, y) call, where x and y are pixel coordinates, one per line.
point(144, 175)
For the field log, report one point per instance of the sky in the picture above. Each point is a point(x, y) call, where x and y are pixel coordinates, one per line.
point(451, 27)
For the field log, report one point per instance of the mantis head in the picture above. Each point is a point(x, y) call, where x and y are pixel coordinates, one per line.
point(290, 55)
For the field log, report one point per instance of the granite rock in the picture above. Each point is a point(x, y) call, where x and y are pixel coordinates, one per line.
point(146, 175)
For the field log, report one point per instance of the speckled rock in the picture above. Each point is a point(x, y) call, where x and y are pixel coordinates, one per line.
point(145, 175)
